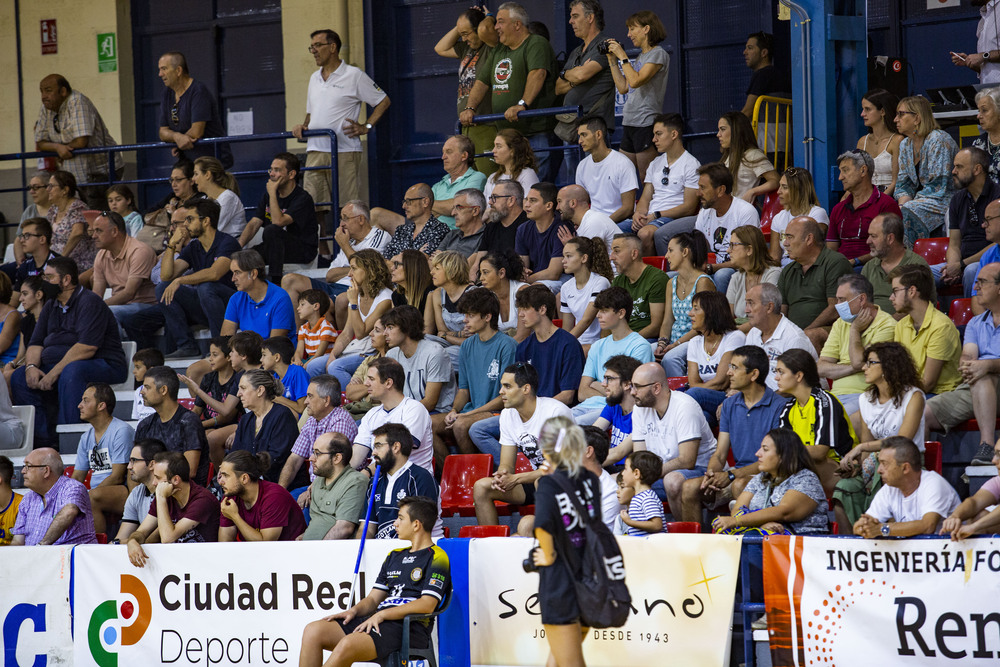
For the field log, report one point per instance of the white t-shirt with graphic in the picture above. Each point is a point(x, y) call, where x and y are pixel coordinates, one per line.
point(524, 435)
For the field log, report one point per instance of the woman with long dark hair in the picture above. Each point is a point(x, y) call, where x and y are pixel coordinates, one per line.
point(753, 174)
point(515, 161)
point(892, 405)
point(709, 352)
point(878, 111)
point(559, 528)
point(686, 255)
point(816, 415)
point(411, 275)
point(587, 261)
point(501, 273)
point(784, 497)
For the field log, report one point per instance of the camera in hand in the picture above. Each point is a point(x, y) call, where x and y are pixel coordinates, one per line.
point(604, 47)
point(529, 563)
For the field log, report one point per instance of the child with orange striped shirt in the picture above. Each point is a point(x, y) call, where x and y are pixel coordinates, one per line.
point(316, 332)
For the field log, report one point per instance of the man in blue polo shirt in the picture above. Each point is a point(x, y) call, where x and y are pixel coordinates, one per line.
point(75, 342)
point(200, 296)
point(258, 305)
point(745, 419)
point(979, 366)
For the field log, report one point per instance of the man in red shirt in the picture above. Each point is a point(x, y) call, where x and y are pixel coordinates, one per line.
point(851, 217)
point(254, 509)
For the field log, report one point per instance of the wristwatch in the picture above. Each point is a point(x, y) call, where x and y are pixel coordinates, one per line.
point(885, 530)
point(731, 474)
point(986, 56)
point(522, 103)
point(658, 215)
point(368, 126)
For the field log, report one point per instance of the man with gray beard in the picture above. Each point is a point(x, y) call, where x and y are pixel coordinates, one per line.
point(503, 217)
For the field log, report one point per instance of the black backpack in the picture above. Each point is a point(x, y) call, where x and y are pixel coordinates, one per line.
point(601, 592)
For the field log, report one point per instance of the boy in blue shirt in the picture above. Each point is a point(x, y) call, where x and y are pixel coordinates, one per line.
point(276, 358)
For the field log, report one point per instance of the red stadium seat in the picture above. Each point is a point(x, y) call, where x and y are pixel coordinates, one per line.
point(834, 528)
point(68, 472)
point(711, 258)
point(682, 527)
point(933, 250)
point(769, 208)
point(211, 473)
point(558, 323)
point(484, 531)
point(932, 456)
point(658, 261)
point(677, 382)
point(460, 472)
point(102, 538)
point(960, 312)
point(186, 402)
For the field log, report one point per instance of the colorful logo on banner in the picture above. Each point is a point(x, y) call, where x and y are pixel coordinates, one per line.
point(104, 635)
point(869, 602)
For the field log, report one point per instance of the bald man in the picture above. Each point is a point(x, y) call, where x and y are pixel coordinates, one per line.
point(67, 121)
point(809, 284)
point(573, 204)
point(56, 509)
point(672, 425)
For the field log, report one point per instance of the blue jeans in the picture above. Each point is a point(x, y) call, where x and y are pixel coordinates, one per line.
point(969, 274)
point(709, 400)
point(675, 361)
point(485, 435)
point(141, 325)
point(721, 278)
point(548, 161)
point(204, 304)
point(342, 368)
point(59, 406)
point(668, 231)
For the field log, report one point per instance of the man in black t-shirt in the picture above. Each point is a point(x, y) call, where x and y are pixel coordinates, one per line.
point(504, 216)
point(766, 78)
point(288, 215)
point(412, 581)
point(173, 424)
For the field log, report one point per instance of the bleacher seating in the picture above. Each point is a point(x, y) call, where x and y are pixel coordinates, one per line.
point(656, 261)
point(682, 527)
point(770, 207)
point(26, 413)
point(932, 456)
point(960, 312)
point(459, 474)
point(484, 531)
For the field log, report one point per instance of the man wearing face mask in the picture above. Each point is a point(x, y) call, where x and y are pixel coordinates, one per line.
point(860, 323)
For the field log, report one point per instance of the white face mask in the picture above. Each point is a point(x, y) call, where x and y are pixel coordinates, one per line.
point(844, 310)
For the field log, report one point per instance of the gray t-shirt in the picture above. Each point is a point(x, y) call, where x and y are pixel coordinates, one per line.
point(646, 101)
point(588, 93)
point(430, 363)
point(463, 245)
point(137, 504)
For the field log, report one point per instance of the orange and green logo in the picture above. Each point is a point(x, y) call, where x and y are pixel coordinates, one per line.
point(113, 625)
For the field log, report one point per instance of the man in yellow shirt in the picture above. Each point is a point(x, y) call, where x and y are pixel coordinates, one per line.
point(9, 501)
point(860, 324)
point(928, 335)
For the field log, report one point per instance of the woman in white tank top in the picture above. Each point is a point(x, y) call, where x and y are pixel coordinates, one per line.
point(878, 109)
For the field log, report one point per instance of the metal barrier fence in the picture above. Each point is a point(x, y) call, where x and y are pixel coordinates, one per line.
point(772, 123)
point(110, 151)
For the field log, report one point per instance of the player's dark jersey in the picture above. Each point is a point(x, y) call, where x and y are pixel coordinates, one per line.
point(407, 575)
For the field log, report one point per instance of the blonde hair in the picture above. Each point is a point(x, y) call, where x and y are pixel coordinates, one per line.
point(456, 267)
point(564, 443)
point(920, 106)
point(218, 173)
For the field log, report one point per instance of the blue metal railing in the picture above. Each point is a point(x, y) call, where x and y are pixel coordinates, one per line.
point(159, 145)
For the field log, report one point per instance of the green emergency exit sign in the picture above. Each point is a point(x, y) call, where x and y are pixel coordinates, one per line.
point(107, 52)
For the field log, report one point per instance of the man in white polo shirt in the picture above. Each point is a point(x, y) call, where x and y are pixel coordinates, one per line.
point(671, 425)
point(772, 331)
point(333, 102)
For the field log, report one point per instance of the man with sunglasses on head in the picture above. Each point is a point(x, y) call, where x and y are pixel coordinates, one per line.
point(670, 193)
point(851, 218)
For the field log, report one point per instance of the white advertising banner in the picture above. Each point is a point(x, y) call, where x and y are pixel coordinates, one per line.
point(212, 604)
point(837, 601)
point(682, 586)
point(34, 606)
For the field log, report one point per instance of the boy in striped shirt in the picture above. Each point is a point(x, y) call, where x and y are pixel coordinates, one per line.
point(316, 332)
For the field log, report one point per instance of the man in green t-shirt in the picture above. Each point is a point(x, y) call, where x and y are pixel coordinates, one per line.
point(646, 284)
point(520, 74)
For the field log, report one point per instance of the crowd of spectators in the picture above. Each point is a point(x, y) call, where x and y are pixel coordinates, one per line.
point(492, 301)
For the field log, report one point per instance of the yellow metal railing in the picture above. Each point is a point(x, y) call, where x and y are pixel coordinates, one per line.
point(772, 123)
